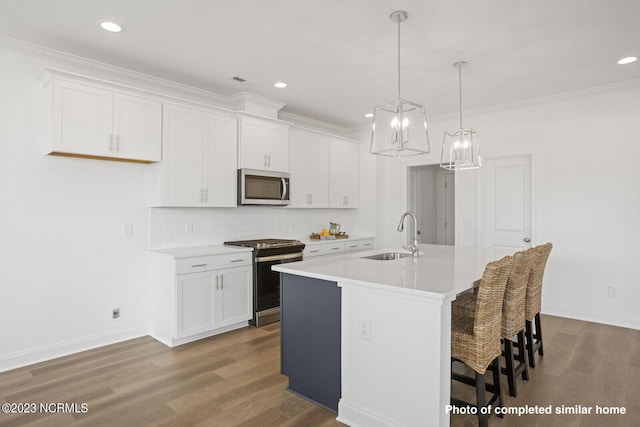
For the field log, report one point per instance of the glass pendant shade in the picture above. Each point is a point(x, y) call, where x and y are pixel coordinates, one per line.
point(460, 150)
point(400, 127)
point(461, 147)
point(399, 130)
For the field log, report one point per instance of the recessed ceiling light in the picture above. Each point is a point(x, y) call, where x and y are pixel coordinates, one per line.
point(111, 26)
point(627, 60)
point(368, 115)
point(280, 85)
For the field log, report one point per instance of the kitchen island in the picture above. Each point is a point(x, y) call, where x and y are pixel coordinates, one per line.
point(393, 318)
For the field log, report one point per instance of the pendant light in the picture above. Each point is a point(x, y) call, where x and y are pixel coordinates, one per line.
point(461, 147)
point(400, 127)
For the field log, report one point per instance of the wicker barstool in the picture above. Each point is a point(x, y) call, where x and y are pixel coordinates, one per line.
point(475, 337)
point(533, 303)
point(513, 317)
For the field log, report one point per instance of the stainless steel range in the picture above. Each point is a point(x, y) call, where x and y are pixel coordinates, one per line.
point(266, 283)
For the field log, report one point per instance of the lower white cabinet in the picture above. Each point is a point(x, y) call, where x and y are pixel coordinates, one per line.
point(200, 296)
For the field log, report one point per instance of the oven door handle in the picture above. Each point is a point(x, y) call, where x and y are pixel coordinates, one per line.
point(279, 257)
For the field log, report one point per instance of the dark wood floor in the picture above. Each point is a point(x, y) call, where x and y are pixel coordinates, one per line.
point(233, 380)
point(584, 364)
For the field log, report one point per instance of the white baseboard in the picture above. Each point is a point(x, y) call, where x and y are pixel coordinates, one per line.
point(607, 318)
point(52, 351)
point(354, 416)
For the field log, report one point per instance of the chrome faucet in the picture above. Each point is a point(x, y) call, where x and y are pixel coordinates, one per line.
point(415, 251)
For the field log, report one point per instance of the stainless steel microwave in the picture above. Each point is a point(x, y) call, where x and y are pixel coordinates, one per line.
point(258, 187)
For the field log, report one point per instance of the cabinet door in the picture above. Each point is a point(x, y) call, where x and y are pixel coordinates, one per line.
point(301, 186)
point(235, 296)
point(220, 161)
point(344, 174)
point(82, 120)
point(309, 167)
point(195, 301)
point(252, 150)
point(182, 156)
point(277, 147)
point(137, 128)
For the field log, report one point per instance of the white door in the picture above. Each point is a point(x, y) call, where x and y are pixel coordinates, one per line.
point(506, 202)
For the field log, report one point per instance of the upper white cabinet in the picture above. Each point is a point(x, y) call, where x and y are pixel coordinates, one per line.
point(97, 120)
point(309, 168)
point(263, 144)
point(199, 158)
point(343, 174)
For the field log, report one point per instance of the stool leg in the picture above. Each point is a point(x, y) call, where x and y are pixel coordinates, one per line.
point(509, 368)
point(483, 419)
point(529, 339)
point(496, 382)
point(523, 363)
point(539, 334)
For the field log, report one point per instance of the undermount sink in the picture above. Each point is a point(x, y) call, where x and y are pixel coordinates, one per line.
point(388, 256)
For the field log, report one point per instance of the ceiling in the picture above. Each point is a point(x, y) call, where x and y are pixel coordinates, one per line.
point(340, 57)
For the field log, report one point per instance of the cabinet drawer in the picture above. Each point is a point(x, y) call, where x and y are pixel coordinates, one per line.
point(332, 248)
point(358, 245)
point(212, 262)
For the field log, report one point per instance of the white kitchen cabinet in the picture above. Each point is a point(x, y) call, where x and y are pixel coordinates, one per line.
point(337, 247)
point(198, 296)
point(213, 299)
point(309, 168)
point(199, 158)
point(358, 245)
point(263, 144)
point(343, 173)
point(94, 121)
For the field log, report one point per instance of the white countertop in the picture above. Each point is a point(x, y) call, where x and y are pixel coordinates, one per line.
point(194, 251)
point(439, 272)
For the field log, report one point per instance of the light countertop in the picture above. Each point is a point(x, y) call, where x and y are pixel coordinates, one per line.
point(439, 272)
point(194, 251)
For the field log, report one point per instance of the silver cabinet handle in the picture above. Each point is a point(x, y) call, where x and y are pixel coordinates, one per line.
point(199, 265)
point(117, 143)
point(265, 160)
point(206, 195)
point(110, 142)
point(269, 158)
point(314, 251)
point(222, 281)
point(527, 240)
point(217, 280)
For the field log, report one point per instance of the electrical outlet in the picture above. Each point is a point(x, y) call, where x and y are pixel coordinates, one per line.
point(116, 313)
point(127, 230)
point(364, 329)
point(613, 291)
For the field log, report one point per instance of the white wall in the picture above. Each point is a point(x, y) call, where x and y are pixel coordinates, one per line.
point(65, 262)
point(585, 149)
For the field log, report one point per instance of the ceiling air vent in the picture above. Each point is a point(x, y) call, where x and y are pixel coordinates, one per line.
point(238, 79)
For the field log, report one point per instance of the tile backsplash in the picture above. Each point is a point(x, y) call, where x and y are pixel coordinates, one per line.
point(179, 227)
